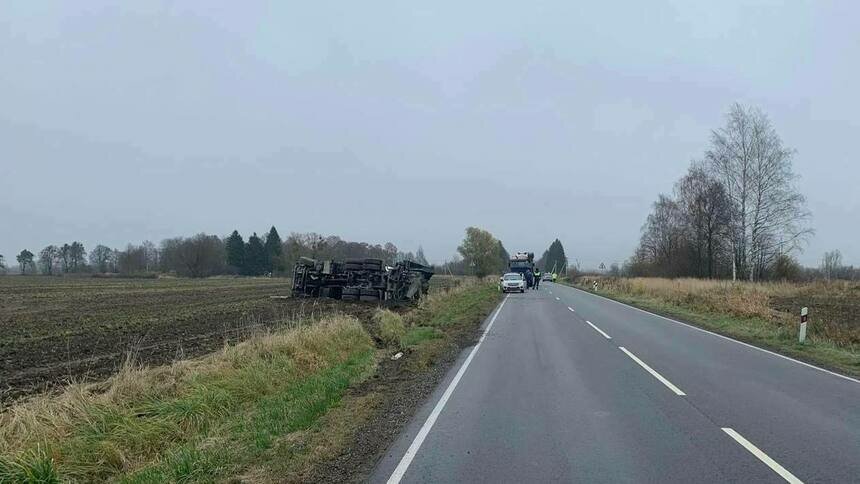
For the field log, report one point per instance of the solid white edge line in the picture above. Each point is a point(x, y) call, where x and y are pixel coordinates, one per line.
point(808, 365)
point(412, 451)
point(598, 330)
point(774, 465)
point(653, 372)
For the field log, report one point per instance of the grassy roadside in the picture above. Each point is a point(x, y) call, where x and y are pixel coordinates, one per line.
point(761, 327)
point(428, 338)
point(273, 408)
point(441, 318)
point(195, 420)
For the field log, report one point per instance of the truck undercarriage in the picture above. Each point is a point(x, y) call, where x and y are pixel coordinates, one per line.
point(360, 279)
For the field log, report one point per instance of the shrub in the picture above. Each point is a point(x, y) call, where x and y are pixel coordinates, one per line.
point(389, 327)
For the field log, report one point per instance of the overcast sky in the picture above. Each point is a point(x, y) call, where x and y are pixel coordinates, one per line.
point(384, 121)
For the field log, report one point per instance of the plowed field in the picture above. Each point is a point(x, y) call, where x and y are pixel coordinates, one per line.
point(57, 329)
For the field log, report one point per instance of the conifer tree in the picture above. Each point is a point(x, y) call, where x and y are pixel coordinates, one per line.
point(255, 256)
point(235, 248)
point(554, 258)
point(274, 251)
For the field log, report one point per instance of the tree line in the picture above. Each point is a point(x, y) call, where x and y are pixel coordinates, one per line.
point(204, 255)
point(737, 213)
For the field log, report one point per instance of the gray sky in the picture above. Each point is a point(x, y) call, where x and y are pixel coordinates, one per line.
point(384, 121)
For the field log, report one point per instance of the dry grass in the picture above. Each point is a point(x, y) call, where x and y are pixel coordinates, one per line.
point(834, 307)
point(389, 327)
point(718, 296)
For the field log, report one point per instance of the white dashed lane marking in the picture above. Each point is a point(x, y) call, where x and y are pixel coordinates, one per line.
point(774, 465)
point(599, 330)
point(653, 372)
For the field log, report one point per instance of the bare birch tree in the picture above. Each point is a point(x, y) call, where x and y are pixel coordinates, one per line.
point(768, 213)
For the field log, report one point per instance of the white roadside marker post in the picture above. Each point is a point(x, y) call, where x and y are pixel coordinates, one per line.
point(804, 316)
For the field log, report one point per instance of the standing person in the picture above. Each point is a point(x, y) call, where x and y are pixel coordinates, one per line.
point(537, 277)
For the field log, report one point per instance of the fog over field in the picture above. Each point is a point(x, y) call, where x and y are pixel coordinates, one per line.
point(387, 122)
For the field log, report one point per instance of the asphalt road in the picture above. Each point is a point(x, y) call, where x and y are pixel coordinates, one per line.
point(566, 386)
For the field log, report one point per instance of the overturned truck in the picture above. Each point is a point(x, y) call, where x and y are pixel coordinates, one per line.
point(360, 279)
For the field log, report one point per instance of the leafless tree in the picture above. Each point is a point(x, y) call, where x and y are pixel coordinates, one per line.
point(150, 256)
point(332, 247)
point(76, 256)
point(199, 256)
point(768, 216)
point(64, 254)
point(831, 263)
point(705, 212)
point(662, 236)
point(102, 259)
point(132, 260)
point(48, 259)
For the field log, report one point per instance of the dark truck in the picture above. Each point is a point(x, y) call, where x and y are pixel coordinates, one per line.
point(524, 263)
point(360, 279)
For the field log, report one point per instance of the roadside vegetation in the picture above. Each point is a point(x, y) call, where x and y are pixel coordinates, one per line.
point(277, 406)
point(765, 314)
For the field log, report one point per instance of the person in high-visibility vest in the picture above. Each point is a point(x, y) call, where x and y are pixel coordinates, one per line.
point(537, 277)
